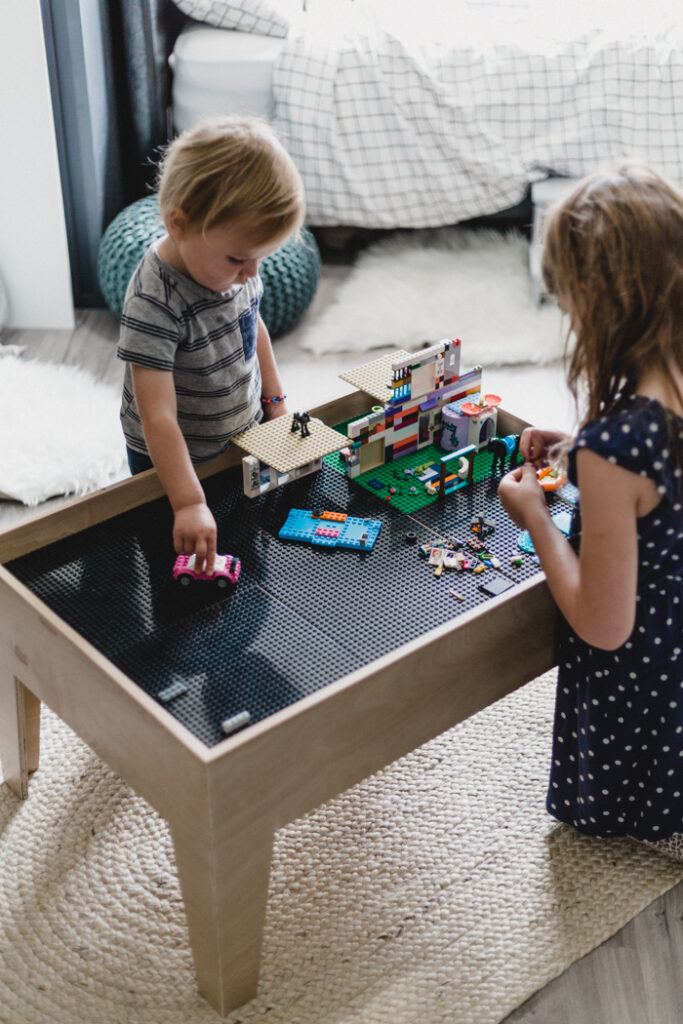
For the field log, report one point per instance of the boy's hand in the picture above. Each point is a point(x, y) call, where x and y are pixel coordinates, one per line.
point(272, 410)
point(521, 495)
point(535, 444)
point(194, 533)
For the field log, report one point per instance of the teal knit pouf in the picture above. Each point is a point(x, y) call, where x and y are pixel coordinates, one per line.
point(122, 247)
point(290, 276)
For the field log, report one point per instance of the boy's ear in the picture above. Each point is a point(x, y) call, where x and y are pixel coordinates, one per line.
point(176, 223)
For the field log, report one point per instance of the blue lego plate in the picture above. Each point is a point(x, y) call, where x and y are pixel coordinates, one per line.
point(338, 532)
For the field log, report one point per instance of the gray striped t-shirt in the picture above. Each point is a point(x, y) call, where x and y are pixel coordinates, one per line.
point(206, 339)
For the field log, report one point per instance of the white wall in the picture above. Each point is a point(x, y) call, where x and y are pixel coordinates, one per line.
point(34, 257)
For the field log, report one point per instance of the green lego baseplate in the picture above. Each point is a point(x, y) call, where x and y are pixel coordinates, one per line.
point(394, 475)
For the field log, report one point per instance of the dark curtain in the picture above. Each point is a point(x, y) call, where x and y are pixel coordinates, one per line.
point(142, 36)
point(111, 93)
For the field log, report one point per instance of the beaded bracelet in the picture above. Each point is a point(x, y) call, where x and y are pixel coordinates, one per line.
point(274, 400)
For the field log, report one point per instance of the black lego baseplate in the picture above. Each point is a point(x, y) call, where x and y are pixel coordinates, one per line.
point(300, 616)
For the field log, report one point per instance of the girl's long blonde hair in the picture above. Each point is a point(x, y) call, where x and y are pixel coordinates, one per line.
point(613, 252)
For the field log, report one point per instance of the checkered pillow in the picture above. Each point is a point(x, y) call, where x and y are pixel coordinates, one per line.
point(266, 17)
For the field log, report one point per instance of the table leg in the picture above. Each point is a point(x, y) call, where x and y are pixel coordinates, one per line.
point(225, 892)
point(19, 733)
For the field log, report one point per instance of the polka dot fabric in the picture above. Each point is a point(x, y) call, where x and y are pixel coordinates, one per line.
point(617, 762)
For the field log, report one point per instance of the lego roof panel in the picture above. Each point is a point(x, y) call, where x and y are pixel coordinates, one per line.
point(277, 445)
point(375, 378)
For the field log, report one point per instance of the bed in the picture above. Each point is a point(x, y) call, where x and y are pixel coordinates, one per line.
point(425, 114)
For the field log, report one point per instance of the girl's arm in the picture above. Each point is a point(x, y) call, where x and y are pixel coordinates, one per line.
point(194, 528)
point(596, 590)
point(270, 377)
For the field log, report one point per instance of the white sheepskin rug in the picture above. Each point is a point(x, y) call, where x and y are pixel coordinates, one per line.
point(59, 430)
point(414, 288)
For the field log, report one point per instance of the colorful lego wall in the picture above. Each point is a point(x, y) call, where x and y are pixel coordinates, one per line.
point(421, 386)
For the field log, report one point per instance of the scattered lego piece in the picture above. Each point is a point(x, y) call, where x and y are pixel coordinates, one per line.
point(411, 537)
point(172, 691)
point(550, 479)
point(481, 526)
point(495, 586)
point(226, 569)
point(453, 594)
point(569, 493)
point(436, 556)
point(455, 560)
point(353, 532)
point(525, 543)
point(438, 570)
point(563, 521)
point(377, 484)
point(235, 722)
point(479, 568)
point(516, 561)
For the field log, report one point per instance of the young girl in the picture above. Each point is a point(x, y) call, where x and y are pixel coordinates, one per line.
point(199, 363)
point(613, 257)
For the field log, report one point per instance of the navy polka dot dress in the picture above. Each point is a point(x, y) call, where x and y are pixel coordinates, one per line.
point(617, 763)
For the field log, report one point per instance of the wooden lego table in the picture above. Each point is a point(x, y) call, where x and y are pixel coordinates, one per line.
point(224, 803)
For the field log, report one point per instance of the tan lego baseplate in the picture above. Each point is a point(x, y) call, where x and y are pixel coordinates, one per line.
point(373, 378)
point(276, 444)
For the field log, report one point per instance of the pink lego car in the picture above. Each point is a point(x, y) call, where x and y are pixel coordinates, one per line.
point(226, 569)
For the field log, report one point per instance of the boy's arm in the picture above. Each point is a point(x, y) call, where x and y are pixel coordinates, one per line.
point(194, 529)
point(270, 377)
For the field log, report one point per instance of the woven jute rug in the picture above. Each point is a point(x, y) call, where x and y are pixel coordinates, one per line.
point(436, 891)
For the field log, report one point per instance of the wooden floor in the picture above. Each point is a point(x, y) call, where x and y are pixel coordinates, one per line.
point(634, 978)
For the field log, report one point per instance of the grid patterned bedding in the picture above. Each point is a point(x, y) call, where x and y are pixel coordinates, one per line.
point(392, 128)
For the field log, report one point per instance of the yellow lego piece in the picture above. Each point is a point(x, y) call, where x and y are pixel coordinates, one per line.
point(275, 444)
point(375, 378)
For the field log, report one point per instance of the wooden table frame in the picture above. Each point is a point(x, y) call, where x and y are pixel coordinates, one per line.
point(223, 804)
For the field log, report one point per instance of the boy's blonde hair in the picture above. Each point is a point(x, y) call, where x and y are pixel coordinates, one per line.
point(614, 250)
point(228, 168)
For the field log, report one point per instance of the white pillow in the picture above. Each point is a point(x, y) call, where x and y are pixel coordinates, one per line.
point(266, 17)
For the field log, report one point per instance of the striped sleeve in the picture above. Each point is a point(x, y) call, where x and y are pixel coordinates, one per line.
point(149, 334)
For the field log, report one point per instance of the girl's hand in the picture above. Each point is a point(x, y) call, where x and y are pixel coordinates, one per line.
point(194, 533)
point(521, 495)
point(535, 444)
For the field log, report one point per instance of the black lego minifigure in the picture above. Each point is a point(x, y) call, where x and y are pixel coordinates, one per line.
point(501, 447)
point(300, 421)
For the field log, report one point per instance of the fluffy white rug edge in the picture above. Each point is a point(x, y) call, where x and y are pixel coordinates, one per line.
point(59, 430)
point(414, 288)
